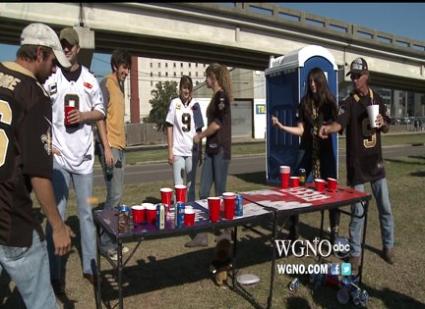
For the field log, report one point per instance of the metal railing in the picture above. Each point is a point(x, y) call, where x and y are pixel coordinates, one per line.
point(271, 13)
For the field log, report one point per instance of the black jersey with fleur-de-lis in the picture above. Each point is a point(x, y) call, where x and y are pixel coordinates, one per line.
point(25, 151)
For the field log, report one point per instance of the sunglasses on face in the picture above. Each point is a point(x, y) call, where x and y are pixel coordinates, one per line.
point(355, 76)
point(65, 44)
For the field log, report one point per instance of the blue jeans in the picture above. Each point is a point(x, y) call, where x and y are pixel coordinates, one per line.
point(381, 194)
point(186, 166)
point(114, 189)
point(28, 267)
point(215, 170)
point(83, 185)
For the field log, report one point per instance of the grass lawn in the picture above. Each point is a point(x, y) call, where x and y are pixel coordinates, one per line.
point(259, 148)
point(164, 274)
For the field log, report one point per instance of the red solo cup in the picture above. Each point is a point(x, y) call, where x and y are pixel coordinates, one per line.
point(214, 208)
point(189, 216)
point(166, 196)
point(295, 181)
point(319, 184)
point(68, 109)
point(332, 184)
point(181, 191)
point(285, 171)
point(229, 205)
point(139, 213)
point(150, 212)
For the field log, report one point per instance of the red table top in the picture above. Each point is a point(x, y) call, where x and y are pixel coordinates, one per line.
point(304, 195)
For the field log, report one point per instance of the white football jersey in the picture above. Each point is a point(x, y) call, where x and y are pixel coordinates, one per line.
point(184, 129)
point(75, 143)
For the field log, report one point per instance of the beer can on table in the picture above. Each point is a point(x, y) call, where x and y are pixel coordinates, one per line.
point(239, 205)
point(302, 175)
point(179, 214)
point(123, 218)
point(160, 216)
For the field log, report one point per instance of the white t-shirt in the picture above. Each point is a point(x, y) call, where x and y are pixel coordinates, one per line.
point(76, 143)
point(182, 118)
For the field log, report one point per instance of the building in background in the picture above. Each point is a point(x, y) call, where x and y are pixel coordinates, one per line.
point(152, 71)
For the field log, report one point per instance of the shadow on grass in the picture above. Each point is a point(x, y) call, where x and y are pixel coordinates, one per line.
point(404, 162)
point(418, 174)
point(256, 178)
point(417, 157)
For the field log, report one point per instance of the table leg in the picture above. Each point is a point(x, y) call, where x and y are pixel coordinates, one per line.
point(272, 275)
point(322, 220)
point(235, 240)
point(365, 211)
point(120, 267)
point(98, 270)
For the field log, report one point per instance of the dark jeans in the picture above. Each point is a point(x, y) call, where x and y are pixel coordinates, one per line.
point(327, 169)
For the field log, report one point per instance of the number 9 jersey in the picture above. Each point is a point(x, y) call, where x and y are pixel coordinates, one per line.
point(186, 119)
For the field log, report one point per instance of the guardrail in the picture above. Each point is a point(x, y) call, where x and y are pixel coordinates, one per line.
point(268, 13)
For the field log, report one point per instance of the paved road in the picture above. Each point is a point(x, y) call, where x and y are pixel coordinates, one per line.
point(239, 165)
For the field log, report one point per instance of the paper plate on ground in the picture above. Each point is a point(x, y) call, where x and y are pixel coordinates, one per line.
point(248, 279)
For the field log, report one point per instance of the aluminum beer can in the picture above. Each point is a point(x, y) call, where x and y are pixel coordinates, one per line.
point(160, 216)
point(179, 214)
point(123, 218)
point(302, 175)
point(239, 205)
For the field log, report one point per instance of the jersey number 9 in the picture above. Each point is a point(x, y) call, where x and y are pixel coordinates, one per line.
point(186, 120)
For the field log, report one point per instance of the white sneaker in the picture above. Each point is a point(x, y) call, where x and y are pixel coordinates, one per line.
point(113, 255)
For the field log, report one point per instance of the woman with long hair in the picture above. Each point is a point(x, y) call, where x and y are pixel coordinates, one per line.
point(318, 106)
point(219, 138)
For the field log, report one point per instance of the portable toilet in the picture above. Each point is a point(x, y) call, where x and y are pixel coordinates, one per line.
point(286, 82)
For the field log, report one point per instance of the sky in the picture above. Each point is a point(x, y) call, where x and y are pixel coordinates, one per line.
point(405, 19)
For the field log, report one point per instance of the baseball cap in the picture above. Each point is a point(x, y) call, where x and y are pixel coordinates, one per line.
point(358, 66)
point(43, 35)
point(70, 35)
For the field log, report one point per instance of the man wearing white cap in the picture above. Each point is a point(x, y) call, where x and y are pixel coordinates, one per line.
point(26, 165)
point(77, 103)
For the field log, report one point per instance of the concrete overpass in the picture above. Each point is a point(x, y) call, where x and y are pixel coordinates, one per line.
point(242, 35)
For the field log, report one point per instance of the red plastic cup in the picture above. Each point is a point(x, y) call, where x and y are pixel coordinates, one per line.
point(332, 184)
point(150, 212)
point(214, 208)
point(295, 181)
point(189, 216)
point(285, 171)
point(229, 205)
point(319, 184)
point(166, 196)
point(139, 213)
point(68, 109)
point(181, 191)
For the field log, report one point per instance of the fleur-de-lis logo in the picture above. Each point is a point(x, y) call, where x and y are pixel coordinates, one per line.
point(46, 139)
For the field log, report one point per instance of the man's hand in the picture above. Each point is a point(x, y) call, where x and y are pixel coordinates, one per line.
point(379, 121)
point(197, 138)
point(170, 159)
point(62, 239)
point(275, 121)
point(56, 151)
point(324, 132)
point(75, 116)
point(109, 158)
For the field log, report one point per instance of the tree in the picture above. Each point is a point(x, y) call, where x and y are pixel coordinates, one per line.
point(162, 96)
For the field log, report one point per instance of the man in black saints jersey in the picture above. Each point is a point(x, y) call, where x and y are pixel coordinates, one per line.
point(364, 157)
point(26, 165)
